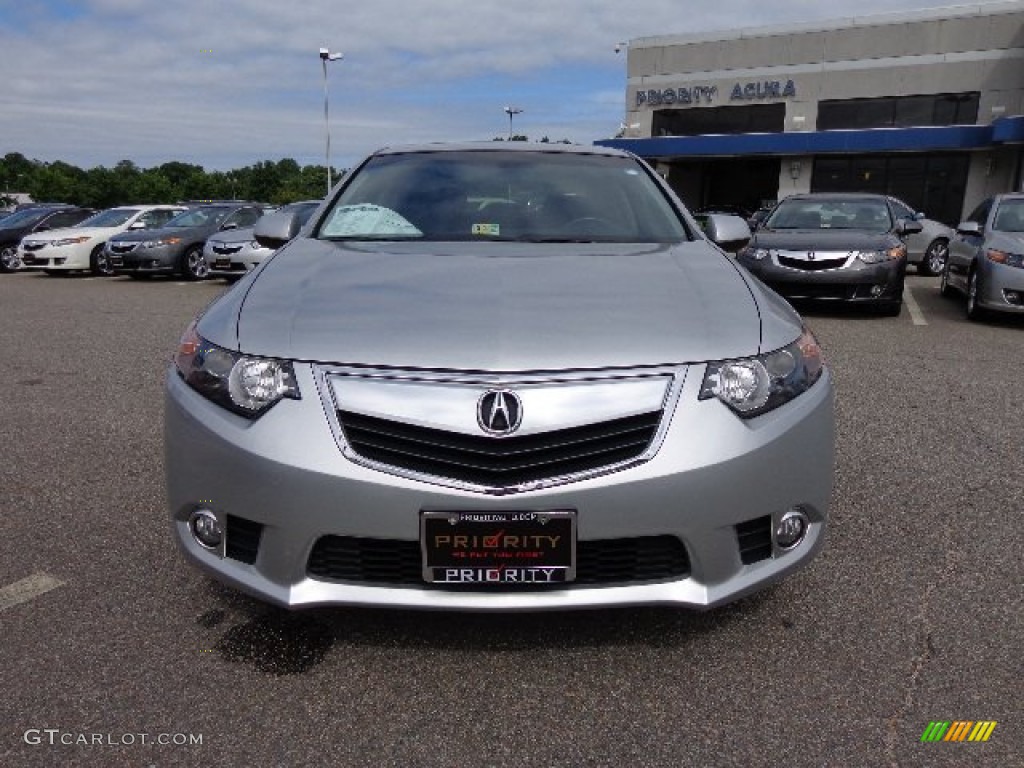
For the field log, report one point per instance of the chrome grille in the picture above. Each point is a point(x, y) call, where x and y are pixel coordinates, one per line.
point(499, 462)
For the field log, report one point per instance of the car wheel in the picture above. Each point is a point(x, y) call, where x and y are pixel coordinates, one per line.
point(9, 261)
point(193, 265)
point(99, 263)
point(945, 288)
point(934, 258)
point(974, 311)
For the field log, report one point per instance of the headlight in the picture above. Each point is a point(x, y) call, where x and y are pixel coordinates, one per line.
point(162, 241)
point(877, 257)
point(1009, 259)
point(243, 384)
point(71, 241)
point(756, 385)
point(757, 254)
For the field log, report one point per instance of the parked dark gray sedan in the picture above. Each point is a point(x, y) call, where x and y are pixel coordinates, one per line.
point(833, 247)
point(177, 248)
point(986, 258)
point(499, 377)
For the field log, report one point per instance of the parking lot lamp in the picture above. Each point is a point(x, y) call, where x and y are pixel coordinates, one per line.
point(512, 111)
point(326, 56)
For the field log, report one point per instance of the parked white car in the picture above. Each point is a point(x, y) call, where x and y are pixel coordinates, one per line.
point(81, 247)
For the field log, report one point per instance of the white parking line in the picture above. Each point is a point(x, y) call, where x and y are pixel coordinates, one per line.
point(916, 315)
point(26, 589)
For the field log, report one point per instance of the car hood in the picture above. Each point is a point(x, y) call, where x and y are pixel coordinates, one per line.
point(1012, 242)
point(822, 239)
point(51, 235)
point(234, 235)
point(155, 234)
point(519, 307)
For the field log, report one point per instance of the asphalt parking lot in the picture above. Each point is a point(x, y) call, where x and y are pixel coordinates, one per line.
point(115, 653)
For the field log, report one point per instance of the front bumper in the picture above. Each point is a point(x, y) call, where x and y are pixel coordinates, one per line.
point(55, 258)
point(855, 282)
point(1002, 287)
point(160, 260)
point(285, 478)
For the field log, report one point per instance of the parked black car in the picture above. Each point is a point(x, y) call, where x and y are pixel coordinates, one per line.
point(177, 248)
point(35, 219)
point(834, 247)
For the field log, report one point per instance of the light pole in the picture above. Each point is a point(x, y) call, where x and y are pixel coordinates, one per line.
point(325, 56)
point(512, 111)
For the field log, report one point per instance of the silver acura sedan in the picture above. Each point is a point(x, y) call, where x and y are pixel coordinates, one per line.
point(499, 377)
point(986, 258)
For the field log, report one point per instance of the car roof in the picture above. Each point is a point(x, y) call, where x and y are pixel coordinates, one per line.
point(837, 196)
point(503, 146)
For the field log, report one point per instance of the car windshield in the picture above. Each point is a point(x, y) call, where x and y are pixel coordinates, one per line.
point(525, 196)
point(1010, 216)
point(199, 217)
point(113, 217)
point(24, 218)
point(817, 213)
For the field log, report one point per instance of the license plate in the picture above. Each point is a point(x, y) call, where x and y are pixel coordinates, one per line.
point(222, 263)
point(508, 548)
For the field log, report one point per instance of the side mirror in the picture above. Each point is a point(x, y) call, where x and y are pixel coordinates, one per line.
point(970, 228)
point(275, 229)
point(906, 227)
point(728, 232)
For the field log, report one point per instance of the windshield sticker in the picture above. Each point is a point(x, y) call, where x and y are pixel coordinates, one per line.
point(487, 229)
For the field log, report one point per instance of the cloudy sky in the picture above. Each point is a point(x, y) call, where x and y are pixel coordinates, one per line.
point(227, 83)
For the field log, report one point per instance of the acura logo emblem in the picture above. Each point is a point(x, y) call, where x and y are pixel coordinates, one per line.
point(810, 255)
point(499, 412)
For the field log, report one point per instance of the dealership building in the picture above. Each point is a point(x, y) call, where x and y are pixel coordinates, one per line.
point(927, 106)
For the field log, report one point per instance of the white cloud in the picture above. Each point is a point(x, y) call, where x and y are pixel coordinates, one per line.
point(229, 83)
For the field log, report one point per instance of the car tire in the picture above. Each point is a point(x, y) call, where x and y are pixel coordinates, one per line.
point(945, 289)
point(193, 266)
point(974, 310)
point(9, 261)
point(99, 263)
point(934, 258)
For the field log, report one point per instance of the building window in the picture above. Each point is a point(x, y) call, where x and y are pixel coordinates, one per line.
point(932, 183)
point(899, 111)
point(755, 118)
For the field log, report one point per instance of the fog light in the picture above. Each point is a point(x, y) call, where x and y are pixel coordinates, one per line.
point(1013, 297)
point(791, 529)
point(877, 290)
point(205, 529)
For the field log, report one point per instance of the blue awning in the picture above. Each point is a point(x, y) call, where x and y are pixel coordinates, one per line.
point(927, 139)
